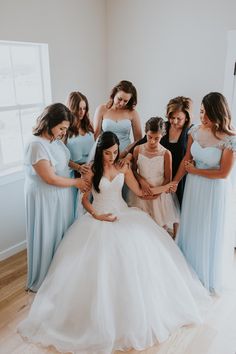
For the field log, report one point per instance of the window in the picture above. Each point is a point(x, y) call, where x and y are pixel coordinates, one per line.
point(24, 91)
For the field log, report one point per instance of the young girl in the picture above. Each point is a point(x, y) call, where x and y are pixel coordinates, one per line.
point(106, 289)
point(153, 167)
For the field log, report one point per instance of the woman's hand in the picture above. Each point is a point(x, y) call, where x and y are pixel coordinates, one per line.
point(125, 160)
point(189, 166)
point(170, 187)
point(88, 175)
point(83, 184)
point(105, 217)
point(173, 188)
point(146, 188)
point(84, 168)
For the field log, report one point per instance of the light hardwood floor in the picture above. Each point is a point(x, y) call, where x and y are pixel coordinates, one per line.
point(216, 336)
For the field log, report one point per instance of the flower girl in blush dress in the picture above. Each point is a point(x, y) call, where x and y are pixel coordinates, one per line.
point(153, 167)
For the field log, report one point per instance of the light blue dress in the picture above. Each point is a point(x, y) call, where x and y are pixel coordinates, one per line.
point(49, 209)
point(204, 233)
point(121, 128)
point(80, 147)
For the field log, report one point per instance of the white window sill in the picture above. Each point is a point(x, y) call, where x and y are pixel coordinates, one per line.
point(11, 175)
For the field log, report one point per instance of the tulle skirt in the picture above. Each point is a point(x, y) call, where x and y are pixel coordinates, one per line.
point(117, 285)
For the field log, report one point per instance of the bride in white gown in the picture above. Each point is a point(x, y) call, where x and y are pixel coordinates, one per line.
point(117, 280)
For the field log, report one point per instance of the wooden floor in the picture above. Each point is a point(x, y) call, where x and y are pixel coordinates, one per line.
point(216, 336)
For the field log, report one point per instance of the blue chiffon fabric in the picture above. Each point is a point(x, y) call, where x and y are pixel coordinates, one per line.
point(205, 233)
point(49, 209)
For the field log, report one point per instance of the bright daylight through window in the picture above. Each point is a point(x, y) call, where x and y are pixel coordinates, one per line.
point(24, 91)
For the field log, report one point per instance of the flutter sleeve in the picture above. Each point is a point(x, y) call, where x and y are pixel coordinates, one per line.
point(230, 143)
point(193, 131)
point(37, 151)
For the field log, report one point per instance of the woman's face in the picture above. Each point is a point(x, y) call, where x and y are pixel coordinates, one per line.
point(153, 139)
point(177, 119)
point(82, 110)
point(110, 154)
point(204, 118)
point(59, 131)
point(121, 99)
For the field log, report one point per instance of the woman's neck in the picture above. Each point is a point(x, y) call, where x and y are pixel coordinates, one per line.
point(46, 136)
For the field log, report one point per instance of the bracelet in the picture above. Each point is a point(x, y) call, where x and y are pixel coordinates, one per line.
point(93, 213)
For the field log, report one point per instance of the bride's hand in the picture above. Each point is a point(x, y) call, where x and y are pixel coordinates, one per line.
point(106, 217)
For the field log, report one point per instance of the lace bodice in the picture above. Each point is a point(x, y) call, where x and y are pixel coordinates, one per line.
point(152, 169)
point(109, 200)
point(207, 150)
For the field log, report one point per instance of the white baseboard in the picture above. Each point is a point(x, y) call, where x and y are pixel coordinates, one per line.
point(12, 250)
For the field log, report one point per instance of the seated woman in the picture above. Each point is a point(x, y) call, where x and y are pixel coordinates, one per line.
point(117, 280)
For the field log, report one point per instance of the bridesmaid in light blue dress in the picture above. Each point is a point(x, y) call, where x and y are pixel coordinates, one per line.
point(120, 117)
point(48, 192)
point(80, 140)
point(205, 233)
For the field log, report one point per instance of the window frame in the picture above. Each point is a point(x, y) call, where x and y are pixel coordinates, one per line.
point(14, 171)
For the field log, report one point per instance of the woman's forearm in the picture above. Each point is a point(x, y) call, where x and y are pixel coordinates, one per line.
point(208, 173)
point(74, 165)
point(181, 172)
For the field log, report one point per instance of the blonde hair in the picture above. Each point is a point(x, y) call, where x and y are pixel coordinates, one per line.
point(182, 104)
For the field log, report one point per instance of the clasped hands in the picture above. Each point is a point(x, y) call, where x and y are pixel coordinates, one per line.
point(189, 166)
point(148, 193)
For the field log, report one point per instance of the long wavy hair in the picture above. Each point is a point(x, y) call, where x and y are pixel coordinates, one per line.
point(52, 116)
point(105, 141)
point(127, 87)
point(217, 110)
point(73, 103)
point(182, 104)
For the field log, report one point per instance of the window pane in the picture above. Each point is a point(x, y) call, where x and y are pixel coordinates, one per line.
point(28, 120)
point(11, 150)
point(27, 71)
point(7, 96)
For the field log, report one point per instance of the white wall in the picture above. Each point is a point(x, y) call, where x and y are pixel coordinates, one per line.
point(169, 48)
point(75, 31)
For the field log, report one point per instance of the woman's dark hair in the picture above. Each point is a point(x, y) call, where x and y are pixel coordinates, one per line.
point(127, 87)
point(217, 110)
point(182, 104)
point(156, 124)
point(52, 116)
point(73, 103)
point(105, 141)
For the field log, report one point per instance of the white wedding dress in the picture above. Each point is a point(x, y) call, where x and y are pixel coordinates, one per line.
point(114, 285)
